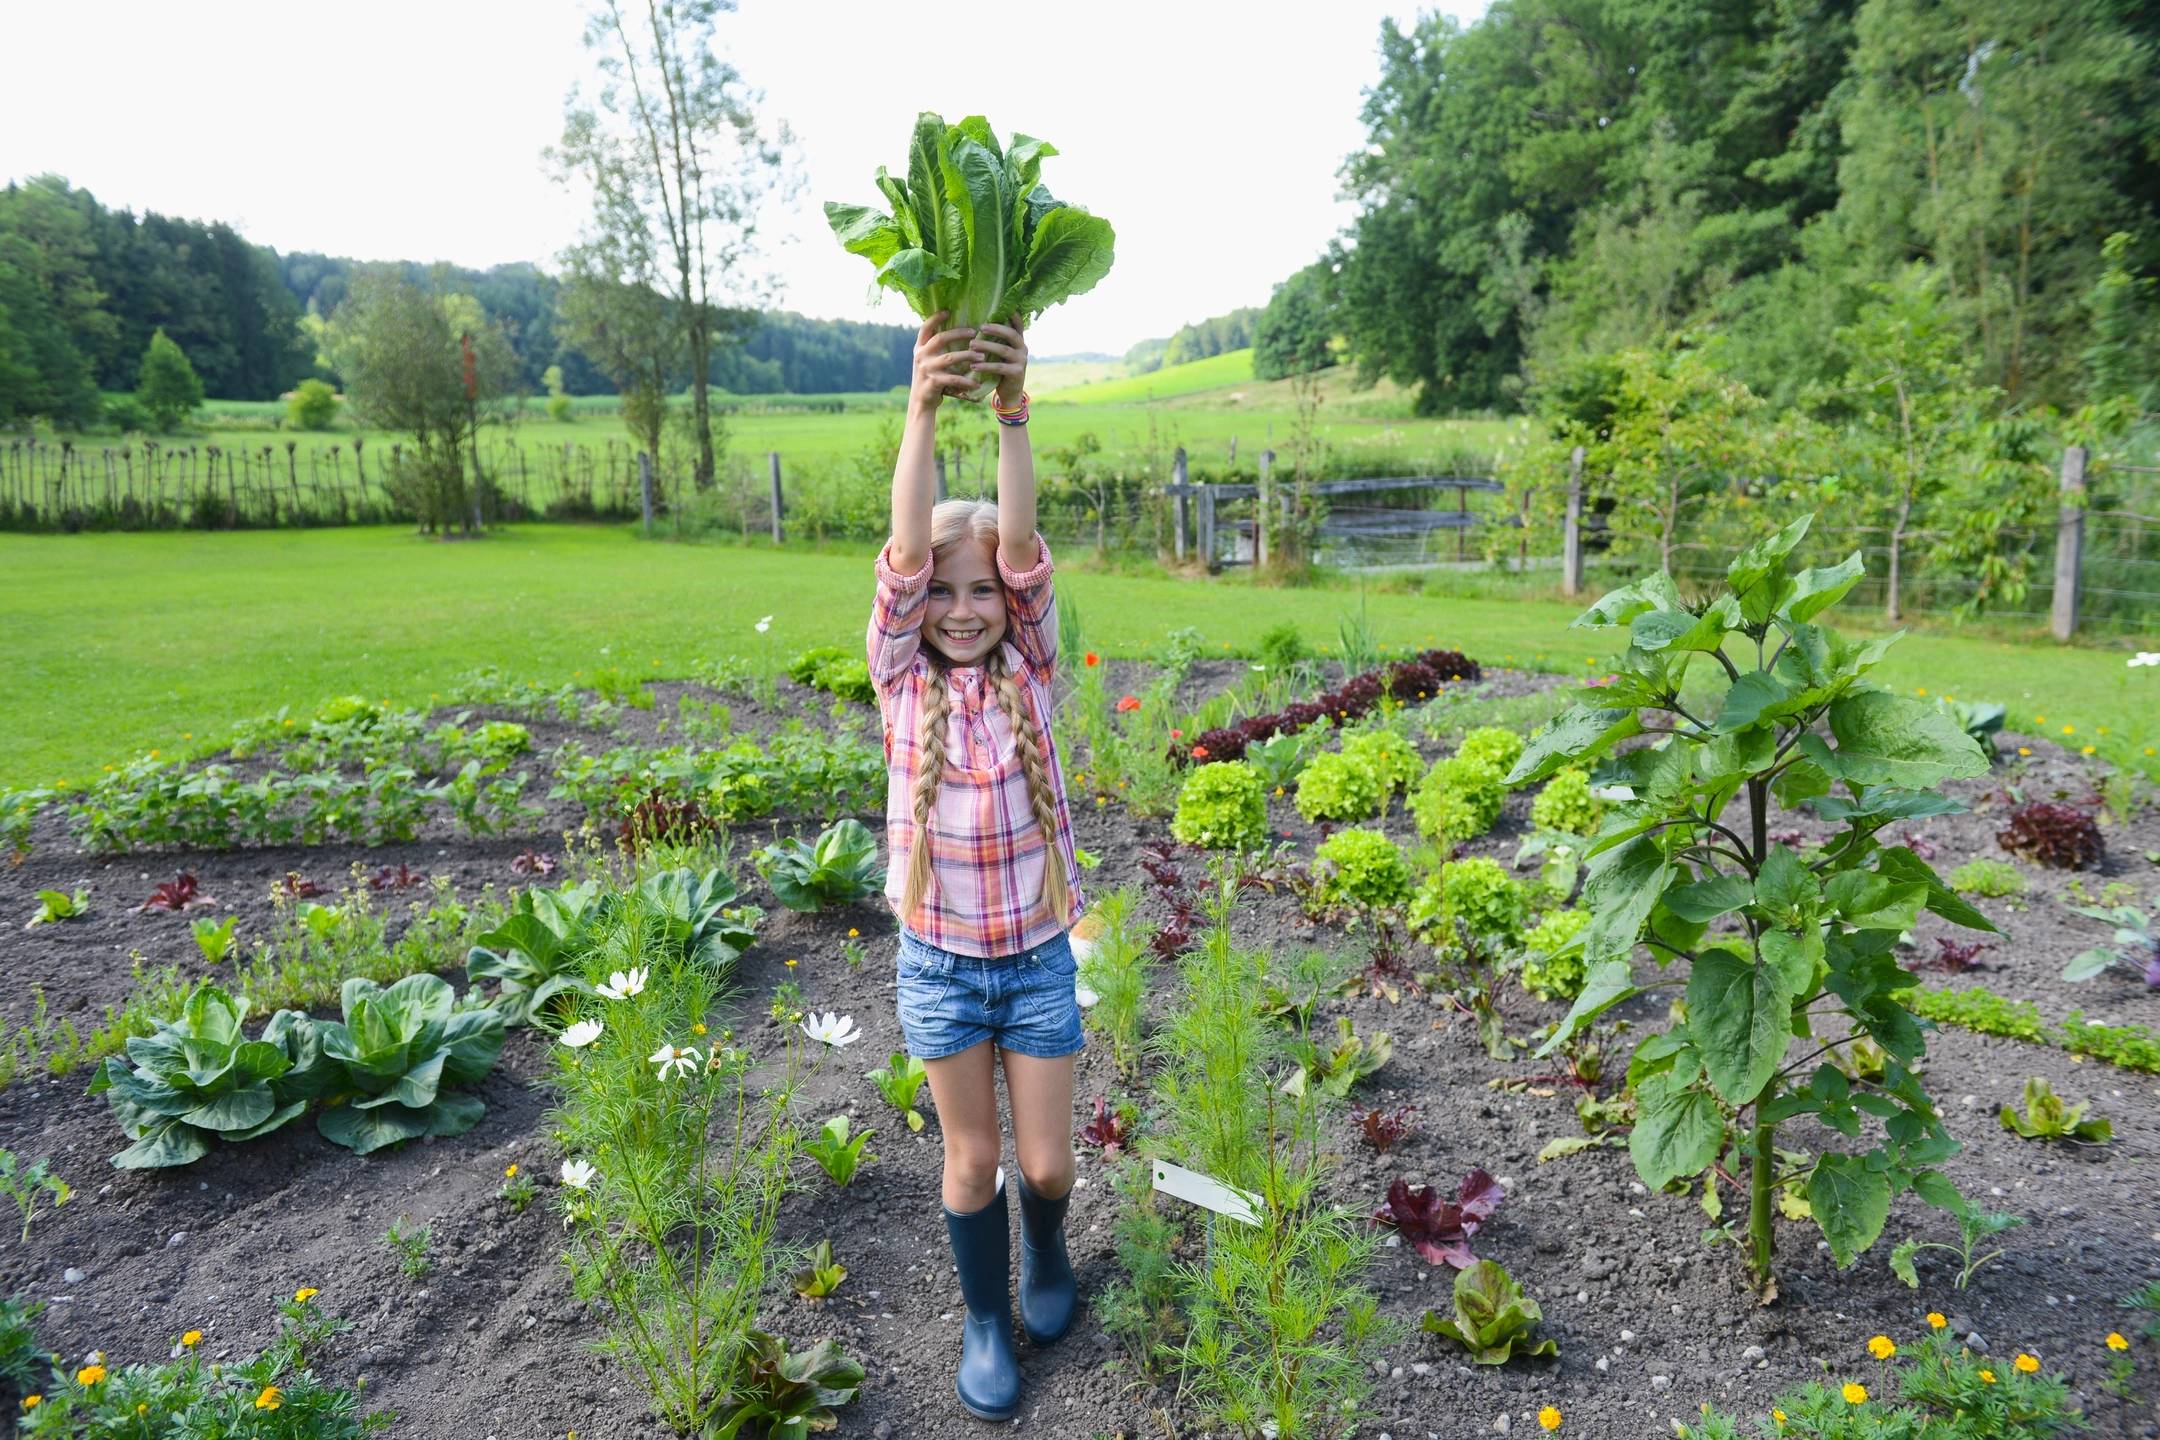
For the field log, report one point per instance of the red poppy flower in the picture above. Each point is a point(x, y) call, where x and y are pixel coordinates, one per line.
point(1092, 658)
point(1177, 734)
point(1128, 702)
point(1199, 752)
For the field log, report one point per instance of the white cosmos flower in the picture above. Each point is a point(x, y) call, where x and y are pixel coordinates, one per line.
point(834, 1029)
point(673, 1061)
point(2145, 657)
point(764, 625)
point(583, 1033)
point(578, 1174)
point(622, 987)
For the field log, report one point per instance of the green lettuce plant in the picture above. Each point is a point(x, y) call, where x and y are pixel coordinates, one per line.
point(1341, 786)
point(1458, 799)
point(197, 1077)
point(1552, 967)
point(1222, 806)
point(784, 1393)
point(898, 1082)
point(2047, 1117)
point(1339, 1066)
point(1479, 892)
point(534, 957)
point(1493, 1318)
point(821, 1275)
point(839, 1154)
point(1781, 952)
point(1393, 758)
point(1566, 805)
point(1360, 867)
point(394, 1057)
point(57, 905)
point(838, 869)
point(973, 231)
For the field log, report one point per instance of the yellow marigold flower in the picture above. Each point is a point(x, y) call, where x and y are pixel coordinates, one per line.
point(270, 1399)
point(1987, 1377)
point(1920, 690)
point(304, 1294)
point(2024, 749)
point(853, 933)
point(1854, 1394)
point(31, 1402)
point(2089, 749)
point(1882, 1347)
point(1549, 1418)
point(1778, 1415)
point(142, 1408)
point(2116, 1341)
point(792, 964)
point(191, 1339)
point(2039, 719)
point(2069, 729)
point(1936, 1320)
point(2027, 1364)
point(698, 1029)
point(510, 1170)
point(90, 1375)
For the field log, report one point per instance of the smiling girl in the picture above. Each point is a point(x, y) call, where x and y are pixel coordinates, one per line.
point(963, 643)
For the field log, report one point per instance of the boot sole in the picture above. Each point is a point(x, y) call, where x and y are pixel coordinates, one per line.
point(982, 1414)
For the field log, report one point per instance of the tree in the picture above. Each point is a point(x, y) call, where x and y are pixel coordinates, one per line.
point(431, 367)
point(558, 401)
point(628, 328)
point(679, 168)
point(168, 386)
point(2121, 359)
point(1295, 333)
point(43, 373)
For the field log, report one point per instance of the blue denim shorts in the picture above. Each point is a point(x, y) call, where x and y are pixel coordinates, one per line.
point(1025, 1002)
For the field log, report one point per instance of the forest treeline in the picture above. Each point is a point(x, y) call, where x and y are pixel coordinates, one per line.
point(84, 288)
point(1569, 179)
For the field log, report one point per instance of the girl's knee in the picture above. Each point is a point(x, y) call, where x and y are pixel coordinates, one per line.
point(970, 1165)
point(1049, 1172)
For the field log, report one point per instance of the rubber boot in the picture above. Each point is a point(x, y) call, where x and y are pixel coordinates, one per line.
point(989, 1379)
point(1049, 1296)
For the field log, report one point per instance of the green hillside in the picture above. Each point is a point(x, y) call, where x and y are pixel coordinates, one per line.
point(1214, 373)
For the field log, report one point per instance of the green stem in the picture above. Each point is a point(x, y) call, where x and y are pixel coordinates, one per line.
point(1762, 1163)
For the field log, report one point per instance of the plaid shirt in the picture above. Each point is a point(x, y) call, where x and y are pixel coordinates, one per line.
point(986, 847)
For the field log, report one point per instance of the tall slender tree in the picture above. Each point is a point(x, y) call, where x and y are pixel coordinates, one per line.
point(673, 147)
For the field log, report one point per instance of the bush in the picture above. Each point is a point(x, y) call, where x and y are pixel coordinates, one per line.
point(125, 413)
point(1394, 758)
point(1566, 804)
point(168, 386)
point(313, 406)
point(1340, 786)
point(1458, 799)
point(1281, 646)
point(1546, 973)
point(1993, 879)
point(1223, 806)
point(558, 408)
point(845, 673)
point(1477, 891)
point(1361, 867)
point(1491, 745)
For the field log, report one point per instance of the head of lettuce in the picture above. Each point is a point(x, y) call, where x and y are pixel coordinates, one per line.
point(973, 230)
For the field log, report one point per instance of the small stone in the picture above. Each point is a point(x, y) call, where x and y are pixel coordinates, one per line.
point(1421, 1369)
point(179, 1238)
point(1501, 1422)
point(72, 1275)
point(1752, 1354)
point(1604, 1363)
point(1627, 1337)
point(1659, 1384)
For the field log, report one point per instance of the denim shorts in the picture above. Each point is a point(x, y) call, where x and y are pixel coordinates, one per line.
point(1027, 1002)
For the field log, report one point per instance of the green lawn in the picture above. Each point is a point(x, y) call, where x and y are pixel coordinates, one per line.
point(121, 643)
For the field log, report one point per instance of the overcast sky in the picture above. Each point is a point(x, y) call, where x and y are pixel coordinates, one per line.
point(1209, 135)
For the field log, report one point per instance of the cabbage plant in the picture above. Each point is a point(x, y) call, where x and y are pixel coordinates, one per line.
point(536, 954)
point(973, 231)
point(197, 1077)
point(393, 1058)
point(698, 912)
point(841, 867)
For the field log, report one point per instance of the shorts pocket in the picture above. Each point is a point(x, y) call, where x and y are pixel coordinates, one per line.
point(1055, 957)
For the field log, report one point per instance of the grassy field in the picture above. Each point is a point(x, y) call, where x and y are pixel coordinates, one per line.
point(129, 642)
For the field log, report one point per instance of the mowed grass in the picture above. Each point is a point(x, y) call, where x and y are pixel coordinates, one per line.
point(123, 643)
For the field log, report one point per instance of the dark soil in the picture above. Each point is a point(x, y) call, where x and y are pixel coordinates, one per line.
point(1651, 1323)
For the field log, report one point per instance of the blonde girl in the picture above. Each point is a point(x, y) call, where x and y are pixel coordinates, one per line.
point(963, 642)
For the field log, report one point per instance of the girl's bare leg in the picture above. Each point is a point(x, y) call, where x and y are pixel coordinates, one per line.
point(965, 1088)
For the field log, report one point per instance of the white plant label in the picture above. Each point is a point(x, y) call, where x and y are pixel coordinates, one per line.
point(1206, 1192)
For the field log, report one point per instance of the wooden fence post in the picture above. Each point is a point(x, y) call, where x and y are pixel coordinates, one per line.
point(1207, 526)
point(2069, 542)
point(941, 476)
point(1571, 537)
point(644, 478)
point(1181, 503)
point(1263, 497)
point(772, 458)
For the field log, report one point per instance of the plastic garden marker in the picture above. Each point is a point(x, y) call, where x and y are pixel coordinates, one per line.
point(1207, 1193)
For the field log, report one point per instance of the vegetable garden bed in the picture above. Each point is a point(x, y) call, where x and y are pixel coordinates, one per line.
point(1651, 1324)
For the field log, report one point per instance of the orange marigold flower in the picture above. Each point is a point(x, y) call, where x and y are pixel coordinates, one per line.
point(270, 1399)
point(90, 1375)
point(1936, 1320)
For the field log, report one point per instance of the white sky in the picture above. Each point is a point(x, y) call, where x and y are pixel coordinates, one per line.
point(1208, 132)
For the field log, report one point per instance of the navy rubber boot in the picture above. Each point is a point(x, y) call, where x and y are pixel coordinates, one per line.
point(1049, 1296)
point(989, 1379)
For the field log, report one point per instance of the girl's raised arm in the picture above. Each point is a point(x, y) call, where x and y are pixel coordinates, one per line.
point(937, 373)
point(1007, 349)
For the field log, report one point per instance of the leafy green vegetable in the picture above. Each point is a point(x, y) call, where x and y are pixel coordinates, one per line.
point(534, 955)
point(197, 1077)
point(902, 1076)
point(699, 914)
point(822, 1275)
point(839, 1154)
point(393, 1057)
point(787, 1394)
point(841, 867)
point(973, 231)
point(2046, 1117)
point(1350, 1059)
point(57, 905)
point(1493, 1317)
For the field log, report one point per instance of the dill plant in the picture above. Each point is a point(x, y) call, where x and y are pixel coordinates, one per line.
point(1279, 1330)
point(674, 1230)
point(1116, 971)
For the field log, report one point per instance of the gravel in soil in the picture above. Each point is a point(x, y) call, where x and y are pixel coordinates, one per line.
point(1651, 1322)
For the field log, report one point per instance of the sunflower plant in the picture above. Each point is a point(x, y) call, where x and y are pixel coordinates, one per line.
point(1782, 958)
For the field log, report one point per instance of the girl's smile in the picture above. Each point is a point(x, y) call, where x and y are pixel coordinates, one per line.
point(966, 616)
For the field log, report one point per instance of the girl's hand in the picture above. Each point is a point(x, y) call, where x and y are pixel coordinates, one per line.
point(1007, 349)
point(938, 371)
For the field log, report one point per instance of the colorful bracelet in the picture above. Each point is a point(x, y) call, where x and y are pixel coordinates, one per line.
point(1018, 415)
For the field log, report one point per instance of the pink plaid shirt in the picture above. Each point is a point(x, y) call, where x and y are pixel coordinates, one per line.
point(986, 848)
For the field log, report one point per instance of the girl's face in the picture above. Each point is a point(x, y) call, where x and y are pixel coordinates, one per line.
point(966, 618)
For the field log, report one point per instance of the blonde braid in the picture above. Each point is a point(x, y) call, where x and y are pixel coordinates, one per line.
point(1035, 766)
point(936, 708)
